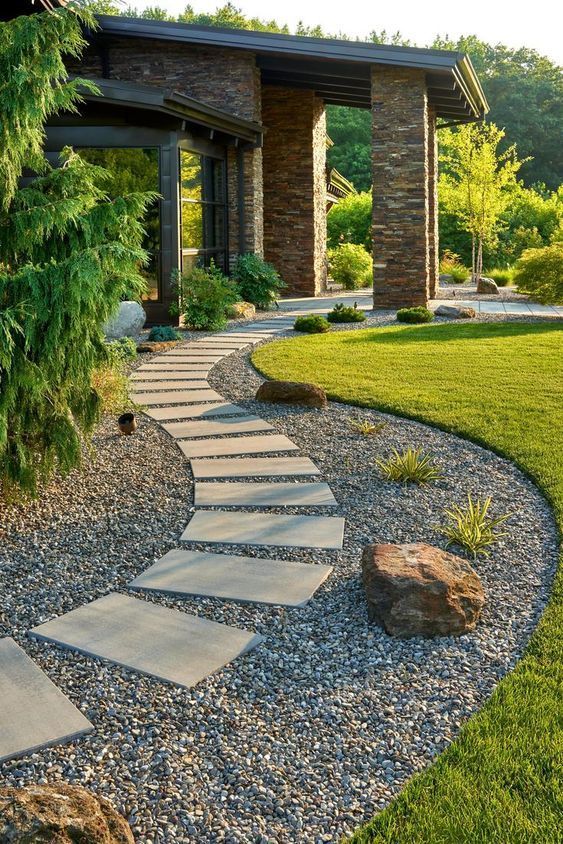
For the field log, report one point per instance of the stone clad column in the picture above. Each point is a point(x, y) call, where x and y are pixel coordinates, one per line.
point(294, 179)
point(433, 237)
point(400, 187)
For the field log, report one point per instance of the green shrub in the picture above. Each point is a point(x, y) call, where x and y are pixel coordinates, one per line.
point(111, 386)
point(415, 315)
point(123, 349)
point(539, 272)
point(351, 266)
point(450, 264)
point(311, 324)
point(257, 280)
point(204, 296)
point(344, 313)
point(163, 334)
point(412, 465)
point(349, 221)
point(502, 277)
point(472, 528)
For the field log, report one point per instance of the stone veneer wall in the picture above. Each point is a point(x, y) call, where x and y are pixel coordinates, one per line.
point(294, 168)
point(433, 237)
point(400, 187)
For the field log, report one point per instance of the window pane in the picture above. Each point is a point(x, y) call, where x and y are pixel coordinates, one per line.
point(192, 225)
point(190, 175)
point(217, 180)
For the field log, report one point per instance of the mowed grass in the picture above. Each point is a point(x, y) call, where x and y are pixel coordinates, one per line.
point(500, 385)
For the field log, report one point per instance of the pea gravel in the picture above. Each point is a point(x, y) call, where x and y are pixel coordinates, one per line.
point(315, 730)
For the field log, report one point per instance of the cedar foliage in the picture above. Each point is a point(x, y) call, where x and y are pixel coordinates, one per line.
point(67, 256)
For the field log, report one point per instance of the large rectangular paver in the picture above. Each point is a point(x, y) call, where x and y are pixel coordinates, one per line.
point(164, 643)
point(173, 367)
point(237, 445)
point(245, 579)
point(206, 428)
point(193, 353)
point(171, 375)
point(179, 397)
point(188, 359)
point(194, 411)
point(34, 713)
point(235, 528)
point(253, 467)
point(263, 494)
point(160, 385)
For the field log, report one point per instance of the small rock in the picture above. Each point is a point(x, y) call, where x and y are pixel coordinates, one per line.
point(453, 312)
point(419, 590)
point(241, 310)
point(487, 285)
point(155, 345)
point(128, 321)
point(292, 392)
point(63, 813)
point(446, 278)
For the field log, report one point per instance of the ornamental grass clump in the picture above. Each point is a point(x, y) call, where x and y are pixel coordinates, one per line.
point(344, 313)
point(451, 264)
point(472, 528)
point(367, 428)
point(415, 315)
point(410, 466)
point(311, 324)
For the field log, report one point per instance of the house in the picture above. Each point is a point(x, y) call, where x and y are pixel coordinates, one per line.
point(229, 126)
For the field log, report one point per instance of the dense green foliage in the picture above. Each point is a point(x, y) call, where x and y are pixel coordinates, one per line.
point(311, 324)
point(204, 294)
point(349, 221)
point(345, 313)
point(351, 266)
point(500, 781)
point(415, 315)
point(257, 280)
point(68, 254)
point(163, 334)
point(413, 465)
point(122, 350)
point(539, 272)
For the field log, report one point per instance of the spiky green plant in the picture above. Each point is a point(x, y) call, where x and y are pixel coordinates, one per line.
point(412, 465)
point(367, 428)
point(471, 527)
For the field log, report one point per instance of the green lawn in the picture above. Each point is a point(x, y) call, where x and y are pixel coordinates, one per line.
point(500, 385)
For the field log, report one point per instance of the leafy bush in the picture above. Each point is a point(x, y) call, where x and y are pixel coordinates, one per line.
point(351, 266)
point(415, 315)
point(163, 334)
point(367, 428)
point(344, 313)
point(311, 324)
point(502, 277)
point(123, 349)
point(539, 272)
point(412, 465)
point(450, 264)
point(257, 280)
point(349, 221)
point(110, 383)
point(472, 528)
point(204, 295)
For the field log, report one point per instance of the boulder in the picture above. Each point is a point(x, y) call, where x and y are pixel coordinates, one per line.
point(60, 813)
point(156, 345)
point(241, 310)
point(420, 590)
point(292, 392)
point(446, 278)
point(455, 311)
point(487, 285)
point(128, 321)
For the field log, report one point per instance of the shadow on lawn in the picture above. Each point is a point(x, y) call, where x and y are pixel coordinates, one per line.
point(451, 332)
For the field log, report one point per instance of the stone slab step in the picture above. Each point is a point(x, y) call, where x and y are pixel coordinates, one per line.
point(223, 343)
point(253, 467)
point(249, 337)
point(237, 445)
point(163, 643)
point(173, 367)
point(34, 713)
point(194, 411)
point(160, 385)
point(234, 578)
point(209, 360)
point(171, 375)
point(194, 353)
point(214, 348)
point(179, 397)
point(218, 526)
point(240, 425)
point(280, 494)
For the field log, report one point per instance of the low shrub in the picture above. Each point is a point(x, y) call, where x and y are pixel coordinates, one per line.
point(349, 221)
point(501, 277)
point(412, 465)
point(204, 296)
point(257, 280)
point(539, 272)
point(123, 349)
point(110, 383)
point(367, 428)
point(451, 264)
point(415, 315)
point(163, 334)
point(351, 266)
point(472, 528)
point(311, 324)
point(344, 313)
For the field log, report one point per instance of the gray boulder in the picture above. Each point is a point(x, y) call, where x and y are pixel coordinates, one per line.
point(455, 311)
point(487, 285)
point(128, 321)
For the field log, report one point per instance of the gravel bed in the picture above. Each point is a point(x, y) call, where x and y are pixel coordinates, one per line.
point(316, 729)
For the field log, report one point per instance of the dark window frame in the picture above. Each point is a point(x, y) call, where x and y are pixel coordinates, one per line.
point(204, 254)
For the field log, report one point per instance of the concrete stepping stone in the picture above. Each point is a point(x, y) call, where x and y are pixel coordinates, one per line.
point(253, 467)
point(179, 397)
point(226, 342)
point(244, 579)
point(163, 643)
point(205, 428)
point(281, 494)
point(217, 348)
point(172, 375)
point(189, 358)
point(194, 411)
point(158, 386)
point(34, 713)
point(237, 445)
point(173, 367)
point(219, 526)
point(193, 353)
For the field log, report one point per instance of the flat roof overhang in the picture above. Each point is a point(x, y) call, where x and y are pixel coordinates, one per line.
point(338, 71)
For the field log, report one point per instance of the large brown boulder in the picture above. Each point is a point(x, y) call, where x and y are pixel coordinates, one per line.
point(241, 310)
point(156, 345)
point(487, 285)
point(420, 590)
point(59, 814)
point(455, 311)
point(292, 392)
